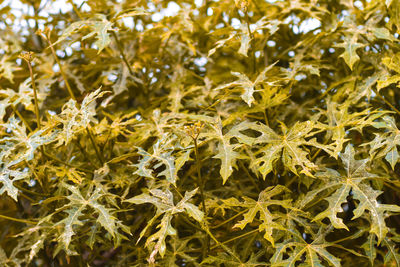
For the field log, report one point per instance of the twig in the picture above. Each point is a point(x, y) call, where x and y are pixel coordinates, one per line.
point(251, 42)
point(386, 101)
point(121, 50)
point(47, 35)
point(28, 57)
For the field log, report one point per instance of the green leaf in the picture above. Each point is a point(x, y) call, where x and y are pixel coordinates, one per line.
point(99, 27)
point(339, 121)
point(77, 207)
point(233, 260)
point(385, 144)
point(162, 154)
point(313, 252)
point(288, 146)
point(350, 46)
point(7, 68)
point(369, 248)
point(163, 201)
point(69, 222)
point(383, 33)
point(76, 119)
point(24, 145)
point(247, 85)
point(131, 13)
point(261, 207)
point(387, 78)
point(8, 177)
point(354, 178)
point(226, 151)
point(392, 255)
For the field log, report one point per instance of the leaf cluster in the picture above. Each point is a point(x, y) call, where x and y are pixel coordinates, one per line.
point(200, 133)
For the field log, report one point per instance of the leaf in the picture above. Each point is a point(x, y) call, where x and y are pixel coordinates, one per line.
point(76, 208)
point(69, 222)
point(388, 78)
point(385, 144)
point(392, 157)
point(350, 46)
point(162, 155)
point(369, 248)
point(71, 173)
point(226, 151)
point(24, 95)
point(22, 146)
point(313, 252)
point(131, 13)
point(7, 68)
point(288, 146)
point(76, 119)
point(383, 33)
point(244, 33)
point(261, 207)
point(233, 260)
point(355, 179)
point(8, 177)
point(99, 27)
point(392, 254)
point(339, 121)
point(163, 201)
point(248, 86)
point(244, 42)
point(220, 44)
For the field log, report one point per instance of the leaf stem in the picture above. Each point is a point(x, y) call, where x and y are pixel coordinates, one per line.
point(319, 150)
point(221, 244)
point(28, 59)
point(121, 51)
point(94, 144)
point(200, 184)
point(228, 220)
point(246, 171)
point(29, 191)
point(85, 154)
point(266, 117)
point(199, 178)
point(67, 164)
point(236, 237)
point(47, 35)
point(17, 220)
point(22, 118)
point(62, 71)
point(386, 101)
point(251, 42)
point(76, 10)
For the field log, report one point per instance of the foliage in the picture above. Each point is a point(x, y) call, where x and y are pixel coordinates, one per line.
point(221, 133)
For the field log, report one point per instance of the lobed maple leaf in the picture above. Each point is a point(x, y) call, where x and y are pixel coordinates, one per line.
point(350, 46)
point(385, 144)
point(247, 85)
point(76, 119)
point(163, 201)
point(313, 252)
point(355, 179)
point(288, 146)
point(262, 207)
point(76, 207)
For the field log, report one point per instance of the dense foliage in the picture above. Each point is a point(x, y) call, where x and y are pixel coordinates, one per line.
point(206, 133)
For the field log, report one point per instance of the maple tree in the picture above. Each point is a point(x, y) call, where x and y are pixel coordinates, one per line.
point(200, 133)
